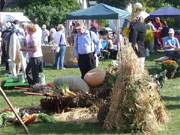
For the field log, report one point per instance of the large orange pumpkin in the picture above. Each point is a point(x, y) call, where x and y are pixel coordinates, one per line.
point(95, 77)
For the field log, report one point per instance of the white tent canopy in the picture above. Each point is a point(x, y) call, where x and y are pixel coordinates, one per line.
point(11, 16)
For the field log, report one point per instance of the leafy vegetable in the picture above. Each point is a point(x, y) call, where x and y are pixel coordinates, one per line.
point(46, 118)
point(65, 90)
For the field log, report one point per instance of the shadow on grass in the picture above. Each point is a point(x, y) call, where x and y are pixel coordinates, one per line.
point(154, 56)
point(154, 69)
point(2, 72)
point(173, 107)
point(14, 93)
point(68, 128)
point(168, 98)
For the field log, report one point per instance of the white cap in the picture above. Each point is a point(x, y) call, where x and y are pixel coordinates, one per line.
point(171, 30)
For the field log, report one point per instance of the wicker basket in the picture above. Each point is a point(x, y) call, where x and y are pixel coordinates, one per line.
point(49, 56)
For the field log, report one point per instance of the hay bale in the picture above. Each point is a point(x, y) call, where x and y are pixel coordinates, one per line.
point(135, 103)
point(78, 115)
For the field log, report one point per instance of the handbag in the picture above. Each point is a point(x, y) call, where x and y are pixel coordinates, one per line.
point(57, 49)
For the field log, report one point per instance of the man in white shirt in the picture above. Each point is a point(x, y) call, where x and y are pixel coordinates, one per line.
point(171, 43)
point(86, 46)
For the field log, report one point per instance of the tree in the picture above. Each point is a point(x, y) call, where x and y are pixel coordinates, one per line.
point(50, 12)
point(150, 5)
point(116, 3)
point(174, 3)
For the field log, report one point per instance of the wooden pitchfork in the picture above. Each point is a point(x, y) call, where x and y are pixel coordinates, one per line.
point(10, 105)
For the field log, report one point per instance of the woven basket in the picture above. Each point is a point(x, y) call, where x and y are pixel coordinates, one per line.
point(48, 55)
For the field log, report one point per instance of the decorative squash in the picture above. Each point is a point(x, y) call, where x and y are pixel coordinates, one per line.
point(95, 77)
point(29, 119)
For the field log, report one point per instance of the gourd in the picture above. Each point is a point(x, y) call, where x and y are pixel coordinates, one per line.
point(29, 119)
point(95, 77)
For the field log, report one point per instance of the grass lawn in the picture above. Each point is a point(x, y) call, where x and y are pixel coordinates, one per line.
point(170, 93)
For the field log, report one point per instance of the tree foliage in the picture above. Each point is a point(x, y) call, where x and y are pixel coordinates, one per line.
point(49, 12)
point(116, 3)
point(150, 5)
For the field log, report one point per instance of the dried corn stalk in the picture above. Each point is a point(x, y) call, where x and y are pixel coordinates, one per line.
point(135, 103)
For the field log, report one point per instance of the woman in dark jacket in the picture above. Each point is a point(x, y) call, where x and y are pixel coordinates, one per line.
point(137, 36)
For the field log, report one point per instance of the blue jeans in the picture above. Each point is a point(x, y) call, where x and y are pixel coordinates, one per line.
point(59, 61)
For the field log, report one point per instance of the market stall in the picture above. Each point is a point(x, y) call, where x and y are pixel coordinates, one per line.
point(99, 12)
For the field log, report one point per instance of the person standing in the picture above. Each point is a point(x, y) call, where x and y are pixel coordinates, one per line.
point(38, 33)
point(33, 48)
point(2, 2)
point(60, 41)
point(149, 39)
point(45, 35)
point(52, 34)
point(137, 36)
point(157, 34)
point(165, 29)
point(86, 46)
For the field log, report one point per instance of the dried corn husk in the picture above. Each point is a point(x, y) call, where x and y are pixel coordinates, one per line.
point(135, 103)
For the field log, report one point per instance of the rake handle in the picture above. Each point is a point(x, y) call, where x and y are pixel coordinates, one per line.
point(10, 105)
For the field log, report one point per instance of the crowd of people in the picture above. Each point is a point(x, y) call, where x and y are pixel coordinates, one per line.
point(89, 44)
point(163, 38)
point(24, 42)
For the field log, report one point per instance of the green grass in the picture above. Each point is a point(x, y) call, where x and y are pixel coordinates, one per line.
point(170, 93)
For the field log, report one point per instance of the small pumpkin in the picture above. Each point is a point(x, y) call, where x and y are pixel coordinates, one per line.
point(95, 77)
point(29, 119)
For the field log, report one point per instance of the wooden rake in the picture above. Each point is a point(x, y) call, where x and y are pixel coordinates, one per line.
point(12, 108)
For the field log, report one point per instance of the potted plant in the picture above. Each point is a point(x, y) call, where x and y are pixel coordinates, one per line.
point(170, 66)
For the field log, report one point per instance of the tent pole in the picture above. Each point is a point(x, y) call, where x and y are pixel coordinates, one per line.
point(67, 32)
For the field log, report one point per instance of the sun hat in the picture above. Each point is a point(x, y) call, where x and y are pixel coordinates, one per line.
point(171, 30)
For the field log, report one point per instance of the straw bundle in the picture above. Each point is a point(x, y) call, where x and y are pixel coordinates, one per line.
point(135, 103)
point(78, 115)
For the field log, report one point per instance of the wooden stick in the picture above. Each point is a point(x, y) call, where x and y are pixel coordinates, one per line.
point(39, 94)
point(23, 88)
point(10, 105)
